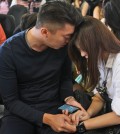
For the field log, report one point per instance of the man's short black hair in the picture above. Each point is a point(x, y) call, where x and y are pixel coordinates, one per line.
point(58, 13)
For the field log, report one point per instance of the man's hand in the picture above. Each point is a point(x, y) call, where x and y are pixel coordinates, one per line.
point(59, 123)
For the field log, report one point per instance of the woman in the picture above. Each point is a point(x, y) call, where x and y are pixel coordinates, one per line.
point(96, 53)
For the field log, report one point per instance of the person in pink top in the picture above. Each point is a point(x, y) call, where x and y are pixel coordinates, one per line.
point(32, 5)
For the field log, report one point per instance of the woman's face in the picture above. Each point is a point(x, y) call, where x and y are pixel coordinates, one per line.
point(82, 52)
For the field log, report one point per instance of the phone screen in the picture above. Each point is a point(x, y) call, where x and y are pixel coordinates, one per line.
point(71, 109)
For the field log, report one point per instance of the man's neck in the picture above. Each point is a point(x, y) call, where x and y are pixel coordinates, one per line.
point(33, 42)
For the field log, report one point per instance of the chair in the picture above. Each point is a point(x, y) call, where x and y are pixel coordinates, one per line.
point(17, 11)
point(8, 24)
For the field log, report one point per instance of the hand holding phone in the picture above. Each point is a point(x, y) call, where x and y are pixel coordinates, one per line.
point(71, 109)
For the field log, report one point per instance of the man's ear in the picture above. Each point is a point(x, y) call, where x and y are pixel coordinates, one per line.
point(44, 32)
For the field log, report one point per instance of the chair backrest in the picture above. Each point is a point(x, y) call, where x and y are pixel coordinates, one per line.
point(17, 11)
point(8, 24)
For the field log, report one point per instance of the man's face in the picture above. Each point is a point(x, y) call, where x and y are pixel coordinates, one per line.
point(60, 37)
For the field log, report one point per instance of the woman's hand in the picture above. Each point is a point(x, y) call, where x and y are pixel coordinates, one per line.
point(73, 102)
point(79, 116)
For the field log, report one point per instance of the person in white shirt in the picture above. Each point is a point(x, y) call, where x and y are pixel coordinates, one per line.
point(96, 52)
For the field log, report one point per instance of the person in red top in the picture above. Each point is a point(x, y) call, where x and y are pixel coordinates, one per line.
point(2, 35)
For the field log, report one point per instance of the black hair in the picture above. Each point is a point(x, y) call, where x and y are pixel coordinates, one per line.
point(28, 20)
point(112, 15)
point(58, 12)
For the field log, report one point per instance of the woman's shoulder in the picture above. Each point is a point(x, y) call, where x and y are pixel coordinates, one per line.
point(116, 62)
point(117, 57)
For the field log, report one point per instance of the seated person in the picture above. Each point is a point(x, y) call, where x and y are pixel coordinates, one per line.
point(97, 57)
point(28, 20)
point(36, 74)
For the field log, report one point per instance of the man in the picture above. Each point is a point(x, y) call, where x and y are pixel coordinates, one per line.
point(35, 73)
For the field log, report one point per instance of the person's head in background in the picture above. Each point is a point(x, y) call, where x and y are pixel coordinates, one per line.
point(56, 22)
point(92, 42)
point(112, 15)
point(28, 20)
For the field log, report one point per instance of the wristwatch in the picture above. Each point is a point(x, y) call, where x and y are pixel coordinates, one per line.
point(81, 128)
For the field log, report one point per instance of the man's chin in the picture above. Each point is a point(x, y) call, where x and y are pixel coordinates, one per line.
point(61, 46)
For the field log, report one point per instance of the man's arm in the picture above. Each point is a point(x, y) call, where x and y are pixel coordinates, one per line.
point(66, 89)
point(9, 90)
point(66, 86)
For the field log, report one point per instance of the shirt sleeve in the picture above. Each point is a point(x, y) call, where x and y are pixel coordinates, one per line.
point(66, 88)
point(9, 91)
point(2, 35)
point(115, 105)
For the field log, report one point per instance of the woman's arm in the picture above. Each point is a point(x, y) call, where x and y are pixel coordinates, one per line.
point(96, 105)
point(105, 120)
point(77, 3)
point(85, 7)
point(96, 12)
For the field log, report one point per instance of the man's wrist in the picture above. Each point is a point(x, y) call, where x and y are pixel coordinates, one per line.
point(47, 118)
point(80, 128)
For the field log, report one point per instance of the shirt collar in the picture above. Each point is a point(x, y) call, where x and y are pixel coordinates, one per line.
point(110, 60)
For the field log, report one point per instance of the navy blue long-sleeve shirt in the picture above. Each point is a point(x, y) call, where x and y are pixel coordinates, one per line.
point(33, 83)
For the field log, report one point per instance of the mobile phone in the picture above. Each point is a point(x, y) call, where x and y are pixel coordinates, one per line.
point(71, 109)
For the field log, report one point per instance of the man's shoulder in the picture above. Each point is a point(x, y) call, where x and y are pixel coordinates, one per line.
point(15, 39)
point(12, 42)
